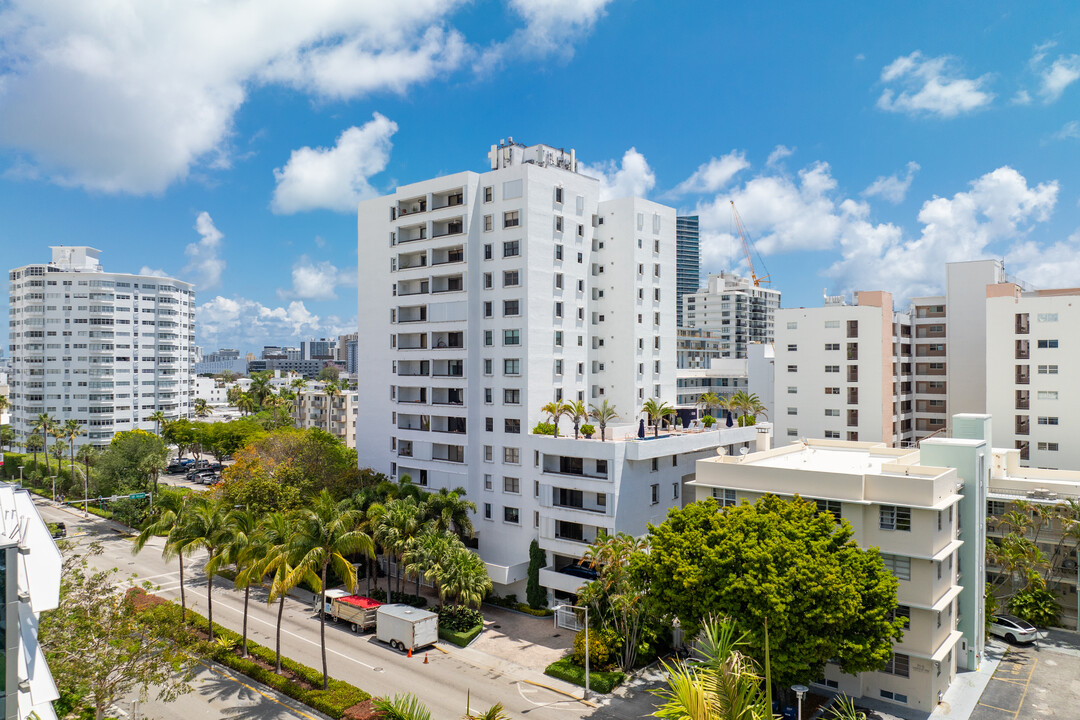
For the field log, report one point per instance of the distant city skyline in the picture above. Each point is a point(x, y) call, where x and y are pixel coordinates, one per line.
point(864, 146)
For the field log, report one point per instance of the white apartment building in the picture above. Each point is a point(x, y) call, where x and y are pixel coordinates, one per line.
point(910, 512)
point(730, 307)
point(484, 296)
point(844, 372)
point(1032, 366)
point(107, 349)
point(338, 417)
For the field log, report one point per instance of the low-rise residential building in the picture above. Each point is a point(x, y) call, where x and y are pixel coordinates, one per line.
point(337, 416)
point(913, 512)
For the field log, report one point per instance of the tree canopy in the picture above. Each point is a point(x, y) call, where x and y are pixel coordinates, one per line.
point(779, 561)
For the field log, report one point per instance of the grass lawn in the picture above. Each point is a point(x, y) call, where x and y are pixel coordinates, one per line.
point(601, 682)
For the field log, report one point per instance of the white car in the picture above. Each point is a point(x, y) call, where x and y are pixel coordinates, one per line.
point(1012, 628)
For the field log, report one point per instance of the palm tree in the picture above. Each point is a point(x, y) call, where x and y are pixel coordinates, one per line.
point(448, 511)
point(72, 430)
point(232, 395)
point(657, 412)
point(59, 435)
point(603, 415)
point(397, 526)
point(7, 437)
point(171, 507)
point(332, 390)
point(202, 408)
point(433, 551)
point(205, 527)
point(326, 533)
point(495, 712)
point(247, 403)
point(577, 412)
point(43, 425)
point(260, 387)
point(298, 385)
point(749, 404)
point(88, 455)
point(464, 577)
point(556, 409)
point(707, 400)
point(242, 549)
point(159, 419)
point(35, 444)
point(401, 707)
point(275, 533)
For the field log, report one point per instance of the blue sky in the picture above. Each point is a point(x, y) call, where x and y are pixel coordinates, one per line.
point(865, 144)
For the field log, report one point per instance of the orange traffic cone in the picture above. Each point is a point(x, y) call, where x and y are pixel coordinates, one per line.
point(410, 652)
point(425, 659)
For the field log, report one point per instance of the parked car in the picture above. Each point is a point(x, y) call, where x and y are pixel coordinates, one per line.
point(194, 475)
point(175, 467)
point(202, 464)
point(209, 478)
point(581, 569)
point(215, 466)
point(1012, 628)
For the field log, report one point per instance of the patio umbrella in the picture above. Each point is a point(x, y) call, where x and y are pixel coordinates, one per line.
point(641, 429)
point(730, 422)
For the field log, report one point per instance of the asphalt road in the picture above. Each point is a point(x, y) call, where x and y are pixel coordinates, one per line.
point(451, 677)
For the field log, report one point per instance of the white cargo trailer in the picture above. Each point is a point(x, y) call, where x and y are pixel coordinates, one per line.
point(405, 627)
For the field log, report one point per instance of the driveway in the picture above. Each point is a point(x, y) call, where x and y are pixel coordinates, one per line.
point(1035, 681)
point(526, 640)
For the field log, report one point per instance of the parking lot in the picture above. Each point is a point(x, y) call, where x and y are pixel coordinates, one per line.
point(1035, 681)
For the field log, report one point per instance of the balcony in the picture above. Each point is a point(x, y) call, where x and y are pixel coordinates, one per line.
point(412, 260)
point(1023, 375)
point(412, 207)
point(411, 314)
point(853, 418)
point(1021, 425)
point(412, 287)
point(414, 422)
point(852, 351)
point(413, 368)
point(412, 341)
point(453, 198)
point(1022, 324)
point(555, 580)
point(447, 283)
point(454, 425)
point(411, 233)
point(447, 340)
point(443, 228)
point(446, 256)
point(448, 396)
point(449, 368)
point(1023, 399)
point(412, 395)
point(448, 453)
point(853, 373)
point(1023, 349)
point(853, 396)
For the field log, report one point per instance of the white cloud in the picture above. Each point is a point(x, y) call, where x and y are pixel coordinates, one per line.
point(631, 178)
point(334, 178)
point(551, 28)
point(205, 262)
point(931, 86)
point(999, 207)
point(1068, 131)
point(152, 272)
point(1022, 97)
point(779, 153)
point(714, 174)
point(1061, 73)
point(1053, 266)
point(316, 280)
point(241, 322)
point(893, 188)
point(130, 97)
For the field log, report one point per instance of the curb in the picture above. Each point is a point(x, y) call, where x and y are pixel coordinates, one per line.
point(590, 703)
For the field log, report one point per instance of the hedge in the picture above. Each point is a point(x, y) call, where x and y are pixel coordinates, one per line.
point(339, 697)
point(601, 682)
point(461, 639)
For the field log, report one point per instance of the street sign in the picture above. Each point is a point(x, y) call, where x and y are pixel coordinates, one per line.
point(136, 496)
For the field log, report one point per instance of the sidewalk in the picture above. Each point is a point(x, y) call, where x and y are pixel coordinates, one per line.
point(964, 693)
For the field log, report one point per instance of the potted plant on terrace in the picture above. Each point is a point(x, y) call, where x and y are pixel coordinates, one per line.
point(587, 430)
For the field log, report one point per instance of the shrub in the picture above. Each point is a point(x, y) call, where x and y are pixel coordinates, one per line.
point(588, 429)
point(708, 421)
point(543, 428)
point(745, 420)
point(604, 645)
point(600, 681)
point(1036, 605)
point(461, 639)
point(459, 618)
point(417, 601)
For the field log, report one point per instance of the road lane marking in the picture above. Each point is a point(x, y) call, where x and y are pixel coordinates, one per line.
point(256, 690)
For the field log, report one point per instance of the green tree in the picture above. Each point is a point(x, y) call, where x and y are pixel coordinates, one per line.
point(779, 562)
point(556, 410)
point(240, 547)
point(298, 385)
point(275, 534)
point(449, 511)
point(43, 425)
point(132, 461)
point(578, 414)
point(618, 597)
point(247, 403)
point(159, 420)
point(326, 535)
point(331, 390)
point(329, 373)
point(706, 401)
point(1037, 605)
point(7, 437)
point(396, 525)
point(260, 387)
point(180, 433)
point(205, 527)
point(463, 577)
point(72, 430)
point(657, 411)
point(534, 592)
point(100, 646)
point(202, 407)
point(35, 444)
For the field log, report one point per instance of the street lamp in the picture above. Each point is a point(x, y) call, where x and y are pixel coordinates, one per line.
point(585, 695)
point(800, 693)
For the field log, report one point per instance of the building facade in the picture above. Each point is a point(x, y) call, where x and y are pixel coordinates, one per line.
point(315, 409)
point(844, 372)
point(105, 349)
point(687, 260)
point(910, 511)
point(731, 307)
point(485, 296)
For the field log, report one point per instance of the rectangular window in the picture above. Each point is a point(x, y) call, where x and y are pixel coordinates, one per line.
point(487, 308)
point(832, 412)
point(511, 308)
point(675, 491)
point(558, 367)
point(1045, 420)
point(511, 337)
point(511, 248)
point(489, 424)
point(511, 515)
point(487, 453)
point(654, 493)
point(793, 326)
point(1047, 317)
point(558, 309)
point(512, 485)
point(511, 396)
point(487, 511)
point(512, 455)
point(511, 219)
point(793, 368)
point(898, 665)
point(487, 194)
point(487, 338)
point(487, 281)
point(1048, 369)
point(1048, 446)
point(893, 517)
point(832, 346)
point(1045, 344)
point(832, 368)
point(558, 338)
point(558, 225)
point(1048, 395)
point(487, 482)
point(558, 195)
point(793, 411)
point(792, 347)
point(512, 426)
point(829, 506)
point(511, 278)
point(558, 281)
point(724, 496)
point(489, 225)
point(511, 366)
point(558, 252)
point(487, 366)
point(792, 390)
point(898, 565)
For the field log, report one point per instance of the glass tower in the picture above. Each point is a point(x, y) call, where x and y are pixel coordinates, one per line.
point(687, 261)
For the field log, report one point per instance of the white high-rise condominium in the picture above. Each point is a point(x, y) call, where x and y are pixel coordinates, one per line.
point(732, 309)
point(105, 349)
point(484, 296)
point(843, 372)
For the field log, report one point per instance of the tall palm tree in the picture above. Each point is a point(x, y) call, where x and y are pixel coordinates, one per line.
point(603, 414)
point(87, 455)
point(464, 577)
point(242, 549)
point(749, 404)
point(171, 507)
point(332, 390)
point(578, 414)
point(448, 511)
point(247, 403)
point(707, 400)
point(398, 525)
point(657, 411)
point(205, 528)
point(275, 534)
point(202, 408)
point(260, 386)
point(326, 533)
point(159, 420)
point(298, 385)
point(43, 425)
point(556, 410)
point(72, 430)
point(59, 435)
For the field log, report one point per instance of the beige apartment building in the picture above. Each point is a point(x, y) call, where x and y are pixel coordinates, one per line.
point(314, 406)
point(908, 510)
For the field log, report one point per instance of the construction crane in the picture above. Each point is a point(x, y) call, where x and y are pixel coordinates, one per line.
point(746, 247)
